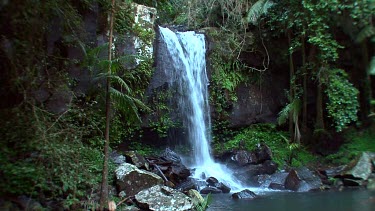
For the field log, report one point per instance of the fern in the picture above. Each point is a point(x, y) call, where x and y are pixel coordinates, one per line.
point(257, 10)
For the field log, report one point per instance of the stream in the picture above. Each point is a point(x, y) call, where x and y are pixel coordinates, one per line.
point(348, 200)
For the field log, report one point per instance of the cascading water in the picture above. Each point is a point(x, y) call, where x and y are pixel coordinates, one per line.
point(187, 51)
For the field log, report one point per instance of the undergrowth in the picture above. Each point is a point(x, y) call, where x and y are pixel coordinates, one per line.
point(355, 143)
point(283, 153)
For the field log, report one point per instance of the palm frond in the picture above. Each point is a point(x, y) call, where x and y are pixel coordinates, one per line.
point(257, 10)
point(368, 31)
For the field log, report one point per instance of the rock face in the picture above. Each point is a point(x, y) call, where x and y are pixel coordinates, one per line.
point(131, 180)
point(163, 198)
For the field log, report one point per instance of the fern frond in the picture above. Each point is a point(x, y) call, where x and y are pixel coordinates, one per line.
point(257, 10)
point(125, 103)
point(368, 31)
point(284, 114)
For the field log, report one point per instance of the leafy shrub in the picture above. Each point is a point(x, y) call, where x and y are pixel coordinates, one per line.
point(48, 157)
point(342, 105)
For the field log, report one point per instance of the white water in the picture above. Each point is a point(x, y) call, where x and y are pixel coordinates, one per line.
point(188, 52)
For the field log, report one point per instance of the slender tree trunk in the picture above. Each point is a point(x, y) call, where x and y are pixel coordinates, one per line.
point(304, 108)
point(319, 106)
point(291, 90)
point(365, 86)
point(104, 188)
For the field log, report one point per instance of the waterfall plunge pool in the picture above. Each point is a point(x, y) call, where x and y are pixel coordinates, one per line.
point(347, 200)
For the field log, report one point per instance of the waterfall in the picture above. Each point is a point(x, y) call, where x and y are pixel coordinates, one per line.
point(187, 53)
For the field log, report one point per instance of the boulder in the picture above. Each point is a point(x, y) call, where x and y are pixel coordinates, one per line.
point(263, 153)
point(244, 194)
point(276, 181)
point(163, 198)
point(302, 180)
point(243, 157)
point(360, 168)
point(207, 190)
point(117, 158)
point(212, 181)
point(131, 180)
point(136, 159)
point(221, 186)
point(310, 180)
point(292, 181)
point(171, 166)
point(250, 173)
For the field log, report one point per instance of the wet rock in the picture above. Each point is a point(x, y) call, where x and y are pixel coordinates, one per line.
point(310, 180)
point(263, 153)
point(131, 180)
point(212, 181)
point(277, 181)
point(208, 190)
point(187, 185)
point(221, 186)
point(302, 180)
point(136, 159)
point(292, 181)
point(250, 173)
point(243, 157)
point(163, 198)
point(244, 194)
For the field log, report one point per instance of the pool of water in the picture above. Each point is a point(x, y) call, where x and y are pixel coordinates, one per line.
point(348, 200)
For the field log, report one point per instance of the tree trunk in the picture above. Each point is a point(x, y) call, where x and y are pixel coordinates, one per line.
point(365, 87)
point(291, 90)
point(104, 187)
point(319, 107)
point(304, 69)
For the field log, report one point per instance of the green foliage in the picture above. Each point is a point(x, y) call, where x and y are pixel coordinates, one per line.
point(342, 105)
point(161, 121)
point(124, 19)
point(283, 152)
point(258, 9)
point(225, 78)
point(143, 149)
point(54, 159)
point(355, 143)
point(205, 204)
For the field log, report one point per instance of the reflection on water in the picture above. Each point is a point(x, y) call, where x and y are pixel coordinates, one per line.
point(350, 200)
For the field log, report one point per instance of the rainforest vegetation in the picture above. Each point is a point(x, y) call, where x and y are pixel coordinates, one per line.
point(56, 130)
